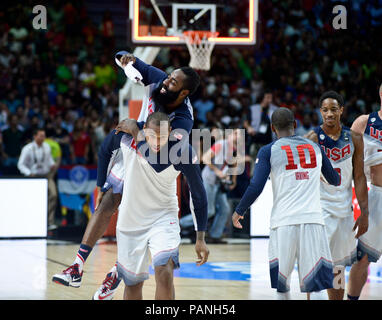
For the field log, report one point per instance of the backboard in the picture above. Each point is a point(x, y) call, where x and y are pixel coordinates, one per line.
point(162, 22)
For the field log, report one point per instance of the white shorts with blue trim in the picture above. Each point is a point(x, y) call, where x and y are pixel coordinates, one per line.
point(306, 244)
point(370, 243)
point(341, 237)
point(160, 242)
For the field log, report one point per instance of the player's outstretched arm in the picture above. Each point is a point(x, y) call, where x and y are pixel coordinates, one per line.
point(256, 186)
point(360, 184)
point(191, 171)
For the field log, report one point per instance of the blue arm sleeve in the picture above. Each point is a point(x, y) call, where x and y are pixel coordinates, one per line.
point(180, 130)
point(260, 176)
point(193, 175)
point(149, 73)
point(182, 122)
point(327, 170)
point(111, 142)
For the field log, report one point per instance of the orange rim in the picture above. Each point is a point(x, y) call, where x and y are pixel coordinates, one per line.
point(192, 38)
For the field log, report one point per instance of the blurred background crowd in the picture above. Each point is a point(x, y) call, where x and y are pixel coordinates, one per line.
point(64, 78)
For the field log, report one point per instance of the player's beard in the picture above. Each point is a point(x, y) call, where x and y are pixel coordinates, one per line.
point(164, 99)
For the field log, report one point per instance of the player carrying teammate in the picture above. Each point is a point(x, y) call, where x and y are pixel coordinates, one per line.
point(297, 226)
point(369, 244)
point(162, 92)
point(344, 148)
point(148, 214)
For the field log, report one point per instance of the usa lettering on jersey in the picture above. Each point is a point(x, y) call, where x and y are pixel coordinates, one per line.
point(375, 133)
point(337, 154)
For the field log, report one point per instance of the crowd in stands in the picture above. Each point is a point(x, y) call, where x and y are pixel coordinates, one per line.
point(64, 78)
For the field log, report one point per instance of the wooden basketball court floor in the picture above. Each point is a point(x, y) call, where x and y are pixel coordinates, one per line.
point(235, 271)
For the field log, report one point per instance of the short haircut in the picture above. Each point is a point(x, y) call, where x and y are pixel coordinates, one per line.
point(156, 118)
point(37, 130)
point(283, 119)
point(333, 95)
point(262, 94)
point(192, 80)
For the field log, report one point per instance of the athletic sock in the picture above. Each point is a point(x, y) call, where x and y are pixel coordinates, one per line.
point(352, 298)
point(82, 255)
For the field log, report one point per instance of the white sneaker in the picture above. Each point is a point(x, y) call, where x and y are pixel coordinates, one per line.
point(108, 288)
point(69, 277)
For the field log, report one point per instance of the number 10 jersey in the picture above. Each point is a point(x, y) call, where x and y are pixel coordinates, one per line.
point(295, 174)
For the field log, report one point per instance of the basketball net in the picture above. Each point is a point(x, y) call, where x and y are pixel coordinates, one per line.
point(200, 45)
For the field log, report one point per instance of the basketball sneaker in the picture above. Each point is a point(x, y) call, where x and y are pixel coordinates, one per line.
point(108, 288)
point(69, 277)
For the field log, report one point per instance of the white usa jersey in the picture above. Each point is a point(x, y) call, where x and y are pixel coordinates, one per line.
point(372, 139)
point(337, 200)
point(295, 165)
point(295, 175)
point(148, 196)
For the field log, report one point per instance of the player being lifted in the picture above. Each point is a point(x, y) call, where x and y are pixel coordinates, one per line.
point(369, 244)
point(168, 93)
point(297, 227)
point(344, 148)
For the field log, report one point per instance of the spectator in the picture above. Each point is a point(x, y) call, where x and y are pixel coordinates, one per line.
point(19, 34)
point(36, 74)
point(217, 183)
point(258, 122)
point(64, 74)
point(107, 30)
point(80, 142)
point(61, 135)
point(105, 74)
point(306, 125)
point(34, 124)
point(13, 140)
point(55, 147)
point(12, 101)
point(36, 161)
point(203, 105)
point(87, 77)
point(4, 111)
point(56, 14)
point(70, 19)
point(89, 31)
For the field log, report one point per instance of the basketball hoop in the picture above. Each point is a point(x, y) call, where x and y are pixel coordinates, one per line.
point(200, 45)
